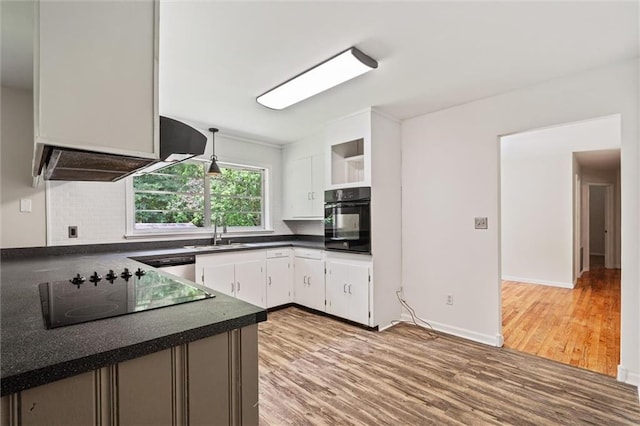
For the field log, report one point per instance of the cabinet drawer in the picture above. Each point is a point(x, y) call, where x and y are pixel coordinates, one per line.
point(308, 253)
point(275, 253)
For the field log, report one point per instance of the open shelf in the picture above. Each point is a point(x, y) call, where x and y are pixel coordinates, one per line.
point(347, 162)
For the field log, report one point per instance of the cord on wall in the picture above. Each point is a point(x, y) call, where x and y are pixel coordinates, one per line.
point(414, 318)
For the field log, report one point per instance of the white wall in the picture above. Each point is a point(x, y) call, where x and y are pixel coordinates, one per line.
point(306, 227)
point(16, 148)
point(99, 211)
point(451, 174)
point(96, 208)
point(537, 198)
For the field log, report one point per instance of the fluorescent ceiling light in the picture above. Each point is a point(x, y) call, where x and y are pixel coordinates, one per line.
point(338, 69)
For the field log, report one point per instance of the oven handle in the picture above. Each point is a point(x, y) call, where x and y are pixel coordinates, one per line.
point(342, 205)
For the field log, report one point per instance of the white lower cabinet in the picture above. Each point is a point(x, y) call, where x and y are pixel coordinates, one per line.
point(347, 289)
point(309, 278)
point(250, 282)
point(279, 277)
point(336, 283)
point(220, 278)
point(240, 275)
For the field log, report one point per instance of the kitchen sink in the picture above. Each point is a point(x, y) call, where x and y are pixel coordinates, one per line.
point(219, 246)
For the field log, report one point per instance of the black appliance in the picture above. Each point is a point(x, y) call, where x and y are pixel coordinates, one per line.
point(118, 292)
point(347, 220)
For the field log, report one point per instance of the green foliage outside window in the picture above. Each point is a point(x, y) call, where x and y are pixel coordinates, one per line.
point(175, 197)
point(236, 197)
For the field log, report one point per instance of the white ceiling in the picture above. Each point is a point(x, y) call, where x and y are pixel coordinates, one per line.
point(216, 57)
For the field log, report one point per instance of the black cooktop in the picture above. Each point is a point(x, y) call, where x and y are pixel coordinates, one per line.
point(81, 299)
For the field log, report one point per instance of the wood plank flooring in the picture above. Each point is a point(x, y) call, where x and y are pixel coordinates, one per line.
point(579, 326)
point(318, 371)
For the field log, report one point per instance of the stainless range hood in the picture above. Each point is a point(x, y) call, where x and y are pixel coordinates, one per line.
point(178, 142)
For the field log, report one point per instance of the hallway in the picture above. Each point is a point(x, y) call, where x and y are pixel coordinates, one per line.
point(579, 327)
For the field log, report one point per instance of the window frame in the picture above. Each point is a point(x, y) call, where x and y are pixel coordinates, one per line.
point(208, 229)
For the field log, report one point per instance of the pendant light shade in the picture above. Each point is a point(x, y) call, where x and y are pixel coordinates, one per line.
point(214, 169)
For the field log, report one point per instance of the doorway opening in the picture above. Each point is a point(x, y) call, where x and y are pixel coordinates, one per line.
point(560, 220)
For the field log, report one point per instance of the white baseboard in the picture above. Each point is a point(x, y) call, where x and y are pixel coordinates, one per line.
point(486, 339)
point(629, 377)
point(536, 281)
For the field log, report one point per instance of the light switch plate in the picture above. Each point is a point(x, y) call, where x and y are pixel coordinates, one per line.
point(481, 223)
point(25, 205)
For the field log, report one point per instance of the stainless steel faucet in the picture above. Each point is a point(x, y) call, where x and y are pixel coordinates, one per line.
point(218, 237)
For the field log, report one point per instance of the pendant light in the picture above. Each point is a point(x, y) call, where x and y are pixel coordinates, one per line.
point(214, 169)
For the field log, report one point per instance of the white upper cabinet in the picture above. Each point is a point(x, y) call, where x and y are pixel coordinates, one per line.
point(303, 181)
point(95, 76)
point(348, 151)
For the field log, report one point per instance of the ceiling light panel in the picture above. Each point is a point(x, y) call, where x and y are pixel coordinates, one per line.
point(332, 72)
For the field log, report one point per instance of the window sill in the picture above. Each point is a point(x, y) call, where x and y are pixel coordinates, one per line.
point(194, 234)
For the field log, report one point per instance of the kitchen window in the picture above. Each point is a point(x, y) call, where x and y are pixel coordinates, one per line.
point(183, 198)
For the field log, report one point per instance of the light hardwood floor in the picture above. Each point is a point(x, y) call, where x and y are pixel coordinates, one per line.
point(318, 371)
point(579, 326)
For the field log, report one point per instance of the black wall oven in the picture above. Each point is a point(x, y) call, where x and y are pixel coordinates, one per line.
point(347, 220)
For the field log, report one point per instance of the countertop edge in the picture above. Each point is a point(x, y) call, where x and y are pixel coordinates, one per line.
point(63, 370)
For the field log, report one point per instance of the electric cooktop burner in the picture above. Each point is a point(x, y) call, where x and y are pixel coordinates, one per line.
point(81, 300)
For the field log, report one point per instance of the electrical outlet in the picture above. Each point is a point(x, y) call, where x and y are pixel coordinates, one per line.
point(73, 232)
point(481, 223)
point(449, 299)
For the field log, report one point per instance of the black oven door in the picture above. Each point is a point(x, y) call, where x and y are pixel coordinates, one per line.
point(347, 226)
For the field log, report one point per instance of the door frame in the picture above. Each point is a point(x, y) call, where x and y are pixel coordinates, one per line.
point(578, 265)
point(609, 218)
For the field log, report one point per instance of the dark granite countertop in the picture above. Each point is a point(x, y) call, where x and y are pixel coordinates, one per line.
point(32, 355)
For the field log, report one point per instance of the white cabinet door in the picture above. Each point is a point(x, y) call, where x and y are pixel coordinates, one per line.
point(304, 187)
point(95, 79)
point(317, 188)
point(301, 185)
point(348, 290)
point(250, 282)
point(358, 294)
point(220, 278)
point(337, 283)
point(241, 274)
point(309, 283)
point(315, 284)
point(279, 281)
point(300, 274)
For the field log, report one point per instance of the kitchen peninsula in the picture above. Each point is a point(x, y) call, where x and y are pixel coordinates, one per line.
point(193, 363)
